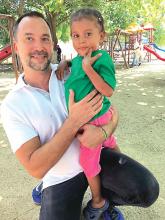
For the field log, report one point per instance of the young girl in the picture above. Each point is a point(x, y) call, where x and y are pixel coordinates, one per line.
point(92, 69)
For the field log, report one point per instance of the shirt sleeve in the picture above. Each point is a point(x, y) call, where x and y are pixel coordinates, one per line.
point(106, 69)
point(18, 130)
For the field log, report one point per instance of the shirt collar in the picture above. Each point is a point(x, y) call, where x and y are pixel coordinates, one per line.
point(21, 82)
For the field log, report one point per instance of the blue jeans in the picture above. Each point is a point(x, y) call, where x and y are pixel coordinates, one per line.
point(124, 182)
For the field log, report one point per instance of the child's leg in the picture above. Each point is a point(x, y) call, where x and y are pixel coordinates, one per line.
point(95, 186)
point(104, 119)
point(89, 160)
point(110, 142)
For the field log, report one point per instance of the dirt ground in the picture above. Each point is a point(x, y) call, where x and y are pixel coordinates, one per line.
point(140, 99)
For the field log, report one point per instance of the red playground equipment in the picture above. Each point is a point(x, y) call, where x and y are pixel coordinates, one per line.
point(150, 46)
point(5, 53)
point(151, 51)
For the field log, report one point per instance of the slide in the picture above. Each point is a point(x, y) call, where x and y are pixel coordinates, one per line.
point(154, 45)
point(153, 52)
point(5, 53)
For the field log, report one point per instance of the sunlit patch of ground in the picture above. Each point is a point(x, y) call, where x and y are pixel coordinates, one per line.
point(140, 99)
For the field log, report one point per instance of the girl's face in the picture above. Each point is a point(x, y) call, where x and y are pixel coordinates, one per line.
point(86, 35)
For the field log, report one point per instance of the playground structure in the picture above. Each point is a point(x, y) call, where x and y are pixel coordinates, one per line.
point(8, 50)
point(121, 43)
point(5, 53)
point(152, 51)
point(151, 47)
point(154, 45)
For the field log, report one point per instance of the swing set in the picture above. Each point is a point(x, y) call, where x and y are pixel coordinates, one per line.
point(120, 44)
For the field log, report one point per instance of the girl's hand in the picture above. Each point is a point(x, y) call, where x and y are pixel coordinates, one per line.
point(62, 69)
point(88, 60)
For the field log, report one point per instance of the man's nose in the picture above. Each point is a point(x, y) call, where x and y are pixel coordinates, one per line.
point(39, 44)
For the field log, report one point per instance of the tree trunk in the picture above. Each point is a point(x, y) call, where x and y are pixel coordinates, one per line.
point(52, 22)
point(54, 29)
point(21, 7)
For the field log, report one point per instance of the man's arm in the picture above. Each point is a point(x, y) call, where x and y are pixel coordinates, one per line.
point(38, 159)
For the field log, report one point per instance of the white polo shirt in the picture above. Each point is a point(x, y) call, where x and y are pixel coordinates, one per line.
point(28, 112)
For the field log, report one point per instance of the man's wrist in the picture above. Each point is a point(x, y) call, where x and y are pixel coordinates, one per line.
point(73, 123)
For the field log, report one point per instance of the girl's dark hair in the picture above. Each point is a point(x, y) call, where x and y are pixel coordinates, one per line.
point(88, 13)
point(28, 14)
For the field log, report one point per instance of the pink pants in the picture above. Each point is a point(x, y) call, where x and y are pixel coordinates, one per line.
point(90, 157)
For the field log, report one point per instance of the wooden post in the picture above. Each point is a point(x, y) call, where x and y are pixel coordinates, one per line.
point(15, 64)
point(14, 56)
point(118, 32)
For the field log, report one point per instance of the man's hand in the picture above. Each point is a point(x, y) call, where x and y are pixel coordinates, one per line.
point(84, 110)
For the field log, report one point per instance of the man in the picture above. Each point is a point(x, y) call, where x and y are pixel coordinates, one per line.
point(42, 133)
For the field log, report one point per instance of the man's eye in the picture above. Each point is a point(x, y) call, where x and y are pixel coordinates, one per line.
point(45, 39)
point(29, 38)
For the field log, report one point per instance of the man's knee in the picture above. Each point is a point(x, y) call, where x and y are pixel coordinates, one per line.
point(149, 192)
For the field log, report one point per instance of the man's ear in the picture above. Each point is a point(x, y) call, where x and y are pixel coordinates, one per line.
point(15, 47)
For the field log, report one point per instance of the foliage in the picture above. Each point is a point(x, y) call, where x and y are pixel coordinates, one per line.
point(124, 12)
point(63, 10)
point(116, 14)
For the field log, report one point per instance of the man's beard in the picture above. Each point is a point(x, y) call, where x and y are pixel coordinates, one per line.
point(39, 66)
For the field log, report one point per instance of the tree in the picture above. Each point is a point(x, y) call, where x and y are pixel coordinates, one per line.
point(57, 12)
point(119, 13)
point(13, 8)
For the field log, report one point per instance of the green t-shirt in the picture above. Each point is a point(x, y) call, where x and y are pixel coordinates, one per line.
point(79, 82)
